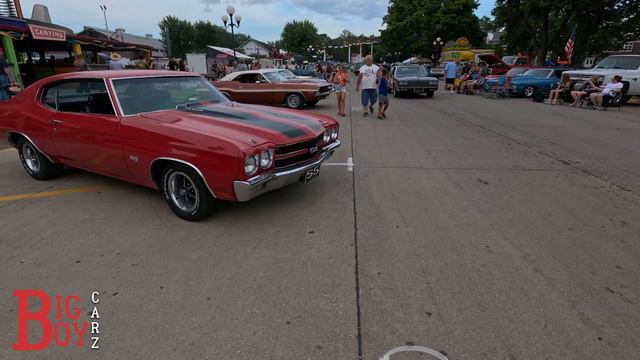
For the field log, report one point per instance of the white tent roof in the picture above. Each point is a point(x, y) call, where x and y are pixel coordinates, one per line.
point(229, 52)
point(409, 60)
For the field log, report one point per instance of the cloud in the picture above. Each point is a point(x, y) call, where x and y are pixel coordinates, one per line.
point(345, 9)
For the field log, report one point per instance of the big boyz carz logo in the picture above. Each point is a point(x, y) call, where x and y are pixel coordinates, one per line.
point(58, 318)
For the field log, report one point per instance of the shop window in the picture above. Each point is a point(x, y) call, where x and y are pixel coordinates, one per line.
point(81, 96)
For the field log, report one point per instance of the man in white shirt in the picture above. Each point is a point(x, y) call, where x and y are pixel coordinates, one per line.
point(368, 81)
point(609, 91)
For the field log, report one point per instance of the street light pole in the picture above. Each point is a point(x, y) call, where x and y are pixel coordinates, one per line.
point(104, 13)
point(229, 19)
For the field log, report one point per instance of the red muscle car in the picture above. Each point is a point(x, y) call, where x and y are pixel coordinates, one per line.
point(270, 87)
point(167, 130)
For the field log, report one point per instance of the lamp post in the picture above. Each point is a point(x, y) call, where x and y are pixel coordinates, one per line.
point(437, 49)
point(229, 23)
point(104, 13)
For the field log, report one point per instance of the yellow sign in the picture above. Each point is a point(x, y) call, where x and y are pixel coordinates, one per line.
point(462, 43)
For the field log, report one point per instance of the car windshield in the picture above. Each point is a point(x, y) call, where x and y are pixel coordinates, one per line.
point(411, 71)
point(274, 76)
point(509, 60)
point(537, 73)
point(516, 71)
point(620, 62)
point(140, 95)
point(287, 74)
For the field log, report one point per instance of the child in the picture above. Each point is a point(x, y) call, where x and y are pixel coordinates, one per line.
point(383, 94)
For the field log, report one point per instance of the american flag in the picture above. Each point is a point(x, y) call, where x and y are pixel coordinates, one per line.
point(568, 49)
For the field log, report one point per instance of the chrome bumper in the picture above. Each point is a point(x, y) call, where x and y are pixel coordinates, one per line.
point(256, 186)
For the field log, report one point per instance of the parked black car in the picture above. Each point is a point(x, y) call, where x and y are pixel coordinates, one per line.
point(306, 70)
point(412, 79)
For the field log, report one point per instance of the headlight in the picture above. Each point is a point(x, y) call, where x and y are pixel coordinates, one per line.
point(334, 133)
point(251, 164)
point(326, 136)
point(266, 159)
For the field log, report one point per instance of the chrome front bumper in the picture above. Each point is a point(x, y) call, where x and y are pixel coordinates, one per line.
point(256, 186)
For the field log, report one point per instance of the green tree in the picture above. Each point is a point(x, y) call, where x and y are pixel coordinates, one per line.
point(539, 27)
point(412, 25)
point(298, 35)
point(185, 37)
point(177, 35)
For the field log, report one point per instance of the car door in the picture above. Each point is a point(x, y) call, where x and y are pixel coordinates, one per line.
point(257, 89)
point(85, 128)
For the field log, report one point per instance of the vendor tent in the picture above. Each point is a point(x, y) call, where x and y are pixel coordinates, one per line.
point(409, 60)
point(229, 52)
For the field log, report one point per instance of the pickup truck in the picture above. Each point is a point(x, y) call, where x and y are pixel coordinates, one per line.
point(627, 66)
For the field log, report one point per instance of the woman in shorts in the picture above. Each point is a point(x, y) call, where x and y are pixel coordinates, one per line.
point(341, 80)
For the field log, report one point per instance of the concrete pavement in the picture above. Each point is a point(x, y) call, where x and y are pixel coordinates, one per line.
point(485, 229)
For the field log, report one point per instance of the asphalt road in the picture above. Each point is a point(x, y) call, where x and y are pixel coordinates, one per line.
point(483, 229)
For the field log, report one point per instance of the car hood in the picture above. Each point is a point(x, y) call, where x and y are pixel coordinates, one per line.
point(416, 78)
point(599, 72)
point(308, 80)
point(246, 125)
point(490, 59)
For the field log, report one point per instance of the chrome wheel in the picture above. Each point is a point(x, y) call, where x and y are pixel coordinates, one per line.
point(294, 101)
point(529, 91)
point(182, 192)
point(30, 157)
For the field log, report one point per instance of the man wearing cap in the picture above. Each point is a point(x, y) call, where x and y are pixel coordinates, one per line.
point(116, 62)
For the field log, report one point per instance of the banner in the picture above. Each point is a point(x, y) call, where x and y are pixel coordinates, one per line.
point(46, 33)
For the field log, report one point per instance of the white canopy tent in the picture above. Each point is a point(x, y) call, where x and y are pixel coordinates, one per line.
point(409, 60)
point(229, 52)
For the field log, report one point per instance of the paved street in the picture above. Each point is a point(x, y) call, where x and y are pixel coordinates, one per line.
point(483, 229)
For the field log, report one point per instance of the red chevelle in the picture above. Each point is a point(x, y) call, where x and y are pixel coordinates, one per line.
point(167, 130)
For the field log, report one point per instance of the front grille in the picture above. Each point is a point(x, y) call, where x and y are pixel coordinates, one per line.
point(287, 155)
point(324, 89)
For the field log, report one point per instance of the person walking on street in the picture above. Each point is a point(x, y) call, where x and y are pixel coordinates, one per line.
point(450, 70)
point(173, 64)
point(383, 94)
point(6, 76)
point(341, 80)
point(368, 82)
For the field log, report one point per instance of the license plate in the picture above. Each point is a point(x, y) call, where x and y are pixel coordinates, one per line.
point(311, 173)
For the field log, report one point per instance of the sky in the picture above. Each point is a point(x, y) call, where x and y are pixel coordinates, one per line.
point(261, 19)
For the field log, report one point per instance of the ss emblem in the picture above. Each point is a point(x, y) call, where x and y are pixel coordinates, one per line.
point(313, 150)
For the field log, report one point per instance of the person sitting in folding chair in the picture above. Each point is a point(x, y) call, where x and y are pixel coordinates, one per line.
point(606, 93)
point(586, 89)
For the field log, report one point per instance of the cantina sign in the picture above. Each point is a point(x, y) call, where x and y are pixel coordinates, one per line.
point(46, 33)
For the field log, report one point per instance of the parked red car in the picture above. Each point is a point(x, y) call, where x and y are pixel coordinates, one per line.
point(500, 66)
point(167, 130)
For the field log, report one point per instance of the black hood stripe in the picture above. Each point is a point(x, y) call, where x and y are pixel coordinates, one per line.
point(313, 124)
point(233, 114)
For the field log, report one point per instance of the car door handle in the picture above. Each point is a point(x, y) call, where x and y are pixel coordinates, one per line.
point(55, 122)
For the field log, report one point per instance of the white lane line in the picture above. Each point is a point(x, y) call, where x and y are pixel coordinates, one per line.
point(349, 164)
point(418, 349)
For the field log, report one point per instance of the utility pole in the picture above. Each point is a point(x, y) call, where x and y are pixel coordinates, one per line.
point(104, 13)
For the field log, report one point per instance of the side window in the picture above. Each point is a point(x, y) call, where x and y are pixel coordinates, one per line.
point(245, 78)
point(81, 96)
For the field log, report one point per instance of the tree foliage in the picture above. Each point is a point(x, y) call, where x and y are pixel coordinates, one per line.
point(298, 35)
point(413, 25)
point(186, 37)
point(539, 26)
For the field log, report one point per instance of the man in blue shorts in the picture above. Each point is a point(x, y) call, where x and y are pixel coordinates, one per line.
point(368, 82)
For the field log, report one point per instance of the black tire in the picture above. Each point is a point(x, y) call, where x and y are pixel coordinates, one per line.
point(430, 93)
point(395, 92)
point(294, 101)
point(35, 163)
point(529, 91)
point(203, 202)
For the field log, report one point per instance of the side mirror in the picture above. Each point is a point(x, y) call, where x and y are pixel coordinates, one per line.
point(258, 82)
